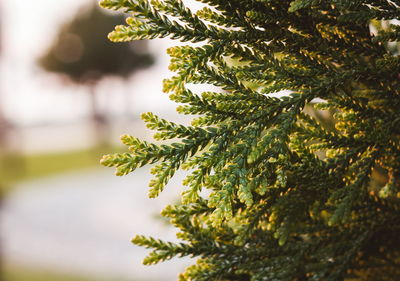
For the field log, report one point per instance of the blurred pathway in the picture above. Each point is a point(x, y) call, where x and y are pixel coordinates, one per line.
point(83, 222)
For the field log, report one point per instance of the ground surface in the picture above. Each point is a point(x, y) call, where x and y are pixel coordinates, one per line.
point(82, 222)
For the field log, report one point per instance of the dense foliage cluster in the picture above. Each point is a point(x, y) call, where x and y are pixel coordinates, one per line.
point(301, 187)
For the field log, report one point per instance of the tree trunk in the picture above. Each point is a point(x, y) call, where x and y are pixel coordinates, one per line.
point(99, 120)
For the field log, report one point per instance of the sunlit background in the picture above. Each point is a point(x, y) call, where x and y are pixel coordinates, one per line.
point(64, 101)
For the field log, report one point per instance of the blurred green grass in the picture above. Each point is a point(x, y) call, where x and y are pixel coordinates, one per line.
point(29, 274)
point(15, 168)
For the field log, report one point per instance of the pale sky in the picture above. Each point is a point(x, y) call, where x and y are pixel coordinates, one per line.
point(30, 25)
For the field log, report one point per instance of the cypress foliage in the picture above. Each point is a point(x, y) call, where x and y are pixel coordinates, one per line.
point(291, 195)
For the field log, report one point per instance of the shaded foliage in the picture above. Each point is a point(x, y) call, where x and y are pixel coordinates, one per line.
point(290, 195)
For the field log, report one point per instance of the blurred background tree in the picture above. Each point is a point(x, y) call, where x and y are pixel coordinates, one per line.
point(3, 121)
point(82, 53)
point(5, 124)
point(11, 162)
